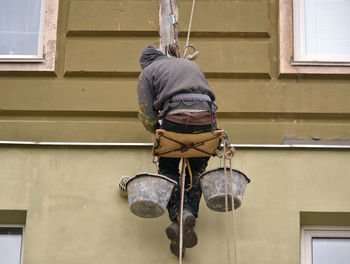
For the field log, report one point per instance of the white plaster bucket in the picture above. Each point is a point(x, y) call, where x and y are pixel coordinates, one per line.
point(213, 187)
point(149, 194)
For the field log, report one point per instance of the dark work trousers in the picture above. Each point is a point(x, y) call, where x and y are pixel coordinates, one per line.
point(170, 167)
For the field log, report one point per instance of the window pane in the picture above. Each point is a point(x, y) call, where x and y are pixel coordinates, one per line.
point(10, 245)
point(327, 25)
point(19, 27)
point(330, 250)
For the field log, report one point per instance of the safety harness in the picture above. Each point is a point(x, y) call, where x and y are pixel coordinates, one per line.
point(189, 99)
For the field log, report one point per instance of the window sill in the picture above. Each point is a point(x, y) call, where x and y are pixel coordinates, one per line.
point(319, 63)
point(22, 60)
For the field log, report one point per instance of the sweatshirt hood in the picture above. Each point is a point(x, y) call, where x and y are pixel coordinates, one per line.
point(149, 55)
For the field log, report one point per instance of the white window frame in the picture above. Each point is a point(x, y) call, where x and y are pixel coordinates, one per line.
point(309, 232)
point(287, 65)
point(31, 58)
point(23, 232)
point(300, 55)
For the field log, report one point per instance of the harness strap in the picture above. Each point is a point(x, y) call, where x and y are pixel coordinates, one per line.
point(190, 173)
point(186, 97)
point(191, 98)
point(186, 147)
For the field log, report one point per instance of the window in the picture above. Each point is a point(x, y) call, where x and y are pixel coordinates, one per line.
point(321, 30)
point(28, 32)
point(325, 245)
point(11, 244)
point(314, 37)
point(21, 29)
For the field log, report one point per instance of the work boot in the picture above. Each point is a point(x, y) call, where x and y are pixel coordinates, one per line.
point(174, 248)
point(190, 238)
point(172, 231)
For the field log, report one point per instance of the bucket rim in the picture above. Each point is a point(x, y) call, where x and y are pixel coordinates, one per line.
point(143, 174)
point(222, 168)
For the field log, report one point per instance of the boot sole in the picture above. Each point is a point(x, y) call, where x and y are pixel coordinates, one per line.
point(190, 236)
point(174, 248)
point(172, 234)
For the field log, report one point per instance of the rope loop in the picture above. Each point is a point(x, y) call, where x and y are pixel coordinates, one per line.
point(229, 151)
point(192, 56)
point(155, 159)
point(123, 182)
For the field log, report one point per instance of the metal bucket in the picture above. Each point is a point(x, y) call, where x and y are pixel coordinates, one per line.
point(149, 194)
point(213, 187)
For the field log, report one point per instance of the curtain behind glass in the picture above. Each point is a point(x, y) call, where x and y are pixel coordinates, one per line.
point(330, 251)
point(327, 26)
point(19, 27)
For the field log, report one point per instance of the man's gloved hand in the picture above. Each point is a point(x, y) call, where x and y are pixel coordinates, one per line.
point(151, 125)
point(157, 126)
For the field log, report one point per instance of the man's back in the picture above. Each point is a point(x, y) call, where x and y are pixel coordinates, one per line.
point(170, 76)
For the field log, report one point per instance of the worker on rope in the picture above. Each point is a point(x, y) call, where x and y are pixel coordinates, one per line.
point(174, 95)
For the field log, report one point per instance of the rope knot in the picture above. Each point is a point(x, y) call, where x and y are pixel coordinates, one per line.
point(230, 152)
point(173, 50)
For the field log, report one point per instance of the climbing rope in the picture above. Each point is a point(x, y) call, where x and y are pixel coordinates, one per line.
point(182, 194)
point(190, 24)
point(233, 215)
point(226, 211)
point(229, 152)
point(189, 29)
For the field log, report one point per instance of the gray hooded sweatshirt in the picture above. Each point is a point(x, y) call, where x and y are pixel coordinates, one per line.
point(163, 77)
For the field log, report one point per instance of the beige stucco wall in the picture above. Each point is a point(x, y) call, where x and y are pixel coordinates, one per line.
point(91, 95)
point(75, 213)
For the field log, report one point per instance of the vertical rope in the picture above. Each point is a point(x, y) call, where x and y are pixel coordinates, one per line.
point(226, 211)
point(182, 183)
point(189, 30)
point(229, 152)
point(233, 215)
point(190, 24)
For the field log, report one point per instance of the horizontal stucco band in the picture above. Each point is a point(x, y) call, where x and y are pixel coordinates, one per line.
point(119, 144)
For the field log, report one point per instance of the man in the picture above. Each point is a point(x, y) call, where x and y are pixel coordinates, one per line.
point(175, 91)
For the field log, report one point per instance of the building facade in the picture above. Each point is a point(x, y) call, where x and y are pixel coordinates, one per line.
point(69, 131)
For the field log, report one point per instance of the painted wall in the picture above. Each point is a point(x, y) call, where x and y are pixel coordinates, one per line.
point(75, 213)
point(68, 198)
